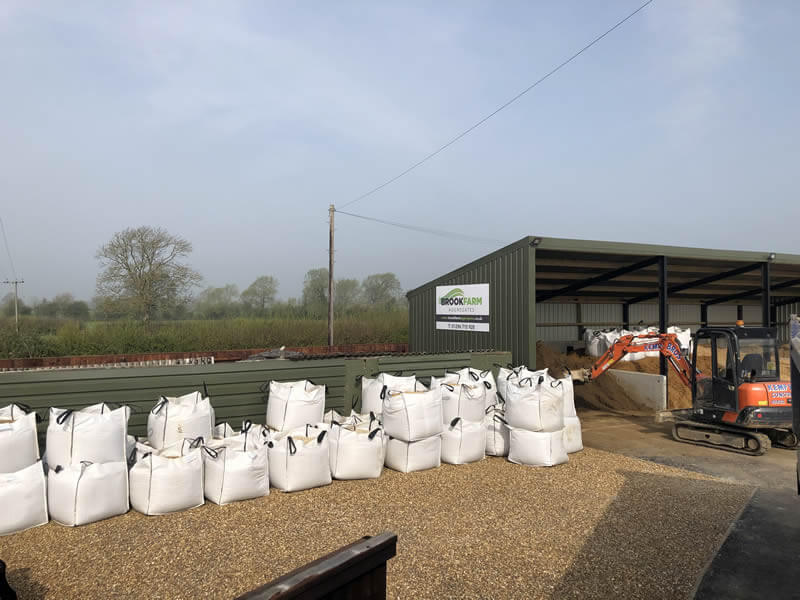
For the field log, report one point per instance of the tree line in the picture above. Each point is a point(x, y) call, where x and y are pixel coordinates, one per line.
point(144, 276)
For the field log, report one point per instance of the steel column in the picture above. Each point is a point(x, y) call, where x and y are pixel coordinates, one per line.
point(765, 294)
point(704, 315)
point(626, 316)
point(740, 312)
point(663, 310)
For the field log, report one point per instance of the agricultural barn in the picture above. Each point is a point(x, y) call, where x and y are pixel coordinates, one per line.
point(551, 289)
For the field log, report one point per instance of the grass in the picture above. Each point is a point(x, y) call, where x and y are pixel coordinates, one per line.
point(60, 337)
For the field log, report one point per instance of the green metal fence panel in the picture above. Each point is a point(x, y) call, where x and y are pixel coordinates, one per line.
point(235, 388)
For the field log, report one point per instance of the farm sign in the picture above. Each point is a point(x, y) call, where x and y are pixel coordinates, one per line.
point(462, 307)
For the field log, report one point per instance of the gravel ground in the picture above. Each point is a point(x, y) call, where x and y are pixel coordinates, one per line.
point(601, 526)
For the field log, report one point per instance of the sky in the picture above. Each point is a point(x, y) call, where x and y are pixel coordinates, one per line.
point(236, 124)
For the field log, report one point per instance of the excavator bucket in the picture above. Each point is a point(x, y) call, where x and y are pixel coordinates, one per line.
point(795, 349)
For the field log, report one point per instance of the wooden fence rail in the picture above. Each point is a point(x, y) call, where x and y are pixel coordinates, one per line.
point(357, 570)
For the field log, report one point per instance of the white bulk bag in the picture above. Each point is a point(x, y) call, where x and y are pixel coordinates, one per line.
point(497, 431)
point(449, 378)
point(414, 456)
point(23, 499)
point(356, 452)
point(233, 473)
point(294, 404)
point(484, 378)
point(300, 459)
point(94, 434)
point(331, 416)
point(504, 375)
point(465, 401)
point(19, 443)
point(173, 419)
point(412, 416)
point(88, 492)
point(522, 404)
point(684, 337)
point(569, 396)
point(573, 440)
point(373, 391)
point(463, 442)
point(222, 431)
point(250, 437)
point(161, 484)
point(551, 404)
point(537, 448)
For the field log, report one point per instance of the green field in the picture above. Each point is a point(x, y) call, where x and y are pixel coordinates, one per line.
point(60, 337)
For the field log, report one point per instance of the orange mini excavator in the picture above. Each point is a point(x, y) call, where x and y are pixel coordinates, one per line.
point(739, 402)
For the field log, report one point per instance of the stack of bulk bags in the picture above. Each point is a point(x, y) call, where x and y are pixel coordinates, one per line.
point(87, 492)
point(463, 442)
point(497, 432)
point(573, 441)
point(535, 417)
point(293, 404)
point(168, 480)
point(413, 422)
point(484, 378)
point(23, 498)
point(237, 468)
point(174, 419)
point(356, 451)
point(300, 459)
point(374, 391)
point(19, 443)
point(97, 434)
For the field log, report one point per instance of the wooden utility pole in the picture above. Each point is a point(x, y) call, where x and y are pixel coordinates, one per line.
point(331, 210)
point(15, 283)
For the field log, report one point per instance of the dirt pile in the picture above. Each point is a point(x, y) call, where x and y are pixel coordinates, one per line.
point(604, 393)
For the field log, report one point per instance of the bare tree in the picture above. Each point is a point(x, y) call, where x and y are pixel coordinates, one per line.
point(143, 271)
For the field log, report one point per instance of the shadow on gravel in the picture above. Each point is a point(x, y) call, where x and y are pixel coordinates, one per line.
point(655, 539)
point(26, 587)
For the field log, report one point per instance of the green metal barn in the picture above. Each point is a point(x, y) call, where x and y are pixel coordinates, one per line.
point(549, 289)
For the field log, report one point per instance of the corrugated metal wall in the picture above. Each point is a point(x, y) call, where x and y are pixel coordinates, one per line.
point(600, 316)
point(233, 387)
point(506, 273)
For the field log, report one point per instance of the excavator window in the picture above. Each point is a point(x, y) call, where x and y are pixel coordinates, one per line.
point(758, 360)
point(703, 361)
point(725, 362)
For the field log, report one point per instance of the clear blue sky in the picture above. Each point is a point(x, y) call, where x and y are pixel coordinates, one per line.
point(236, 124)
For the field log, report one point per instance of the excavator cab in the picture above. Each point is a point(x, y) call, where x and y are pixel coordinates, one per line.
point(725, 358)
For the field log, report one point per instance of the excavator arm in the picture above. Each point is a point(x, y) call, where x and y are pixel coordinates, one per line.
point(665, 343)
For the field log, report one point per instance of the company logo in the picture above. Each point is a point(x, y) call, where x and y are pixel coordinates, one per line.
point(456, 297)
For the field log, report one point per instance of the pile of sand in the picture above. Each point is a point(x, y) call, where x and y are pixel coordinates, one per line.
point(604, 393)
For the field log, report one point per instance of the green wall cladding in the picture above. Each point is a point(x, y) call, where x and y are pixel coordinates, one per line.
point(234, 387)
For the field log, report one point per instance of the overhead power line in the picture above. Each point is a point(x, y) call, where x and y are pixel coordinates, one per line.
point(500, 108)
point(437, 232)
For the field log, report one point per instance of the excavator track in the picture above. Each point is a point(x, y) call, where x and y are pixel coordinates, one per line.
point(722, 437)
